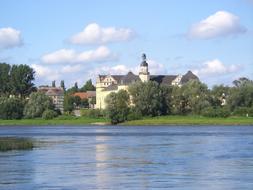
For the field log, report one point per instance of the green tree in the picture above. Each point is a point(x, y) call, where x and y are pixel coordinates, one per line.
point(53, 83)
point(147, 98)
point(4, 79)
point(93, 101)
point(117, 108)
point(69, 103)
point(37, 104)
point(63, 85)
point(88, 86)
point(84, 103)
point(21, 80)
point(11, 108)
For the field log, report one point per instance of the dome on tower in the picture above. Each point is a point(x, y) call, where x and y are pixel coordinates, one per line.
point(144, 62)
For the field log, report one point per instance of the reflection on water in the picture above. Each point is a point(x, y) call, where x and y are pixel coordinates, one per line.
point(130, 158)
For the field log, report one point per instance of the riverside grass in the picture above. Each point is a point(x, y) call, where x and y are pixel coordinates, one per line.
point(15, 143)
point(191, 120)
point(162, 120)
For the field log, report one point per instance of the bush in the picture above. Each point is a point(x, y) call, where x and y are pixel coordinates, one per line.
point(37, 104)
point(11, 108)
point(49, 114)
point(217, 112)
point(243, 111)
point(134, 114)
point(93, 113)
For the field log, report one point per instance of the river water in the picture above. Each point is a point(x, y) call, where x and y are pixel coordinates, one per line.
point(113, 157)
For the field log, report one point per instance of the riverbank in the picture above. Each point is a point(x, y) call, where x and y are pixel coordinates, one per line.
point(69, 120)
point(162, 120)
point(191, 120)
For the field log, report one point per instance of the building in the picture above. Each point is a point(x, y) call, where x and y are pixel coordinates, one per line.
point(105, 84)
point(57, 95)
point(89, 95)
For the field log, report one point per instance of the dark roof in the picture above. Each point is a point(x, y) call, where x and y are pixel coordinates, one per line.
point(129, 78)
point(163, 79)
point(188, 76)
point(111, 87)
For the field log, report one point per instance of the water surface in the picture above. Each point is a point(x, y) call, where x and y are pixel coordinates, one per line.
point(109, 157)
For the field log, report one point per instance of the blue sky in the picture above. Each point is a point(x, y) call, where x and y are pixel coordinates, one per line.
point(79, 39)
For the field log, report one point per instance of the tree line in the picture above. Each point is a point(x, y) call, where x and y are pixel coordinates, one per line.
point(192, 98)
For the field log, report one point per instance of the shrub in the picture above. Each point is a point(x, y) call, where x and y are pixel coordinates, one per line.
point(49, 114)
point(217, 112)
point(134, 114)
point(93, 113)
point(11, 108)
point(37, 104)
point(243, 111)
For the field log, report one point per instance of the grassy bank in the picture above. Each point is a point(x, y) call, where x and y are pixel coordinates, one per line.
point(191, 120)
point(162, 120)
point(13, 143)
point(62, 120)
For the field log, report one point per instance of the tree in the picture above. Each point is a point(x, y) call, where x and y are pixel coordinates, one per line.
point(4, 79)
point(53, 83)
point(84, 103)
point(191, 97)
point(21, 80)
point(37, 104)
point(117, 108)
point(147, 98)
point(73, 89)
point(68, 103)
point(88, 86)
point(11, 108)
point(93, 101)
point(63, 85)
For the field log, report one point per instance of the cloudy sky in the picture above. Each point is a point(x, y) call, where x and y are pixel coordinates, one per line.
point(79, 39)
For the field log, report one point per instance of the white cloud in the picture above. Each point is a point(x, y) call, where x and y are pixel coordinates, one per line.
point(220, 24)
point(156, 68)
point(95, 34)
point(45, 73)
point(71, 69)
point(9, 38)
point(215, 68)
point(70, 56)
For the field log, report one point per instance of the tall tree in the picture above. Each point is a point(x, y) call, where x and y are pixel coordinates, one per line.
point(88, 86)
point(63, 85)
point(4, 79)
point(53, 83)
point(21, 80)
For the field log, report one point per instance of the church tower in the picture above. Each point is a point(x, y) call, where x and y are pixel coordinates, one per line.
point(144, 74)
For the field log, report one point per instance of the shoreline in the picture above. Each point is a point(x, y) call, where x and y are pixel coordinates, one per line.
point(148, 121)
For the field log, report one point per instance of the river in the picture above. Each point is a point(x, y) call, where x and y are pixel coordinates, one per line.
point(117, 157)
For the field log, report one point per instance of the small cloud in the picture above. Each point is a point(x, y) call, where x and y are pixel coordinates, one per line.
point(220, 24)
point(95, 34)
point(9, 38)
point(71, 69)
point(70, 56)
point(215, 68)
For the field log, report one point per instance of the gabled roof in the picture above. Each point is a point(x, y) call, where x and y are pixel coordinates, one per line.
point(163, 79)
point(188, 76)
point(85, 95)
point(129, 78)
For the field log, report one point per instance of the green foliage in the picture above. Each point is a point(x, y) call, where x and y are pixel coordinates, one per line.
point(117, 106)
point(4, 79)
point(190, 98)
point(21, 77)
point(216, 112)
point(11, 108)
point(69, 103)
point(49, 114)
point(63, 85)
point(92, 113)
point(37, 104)
point(133, 114)
point(16, 80)
point(148, 98)
point(88, 86)
point(243, 111)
